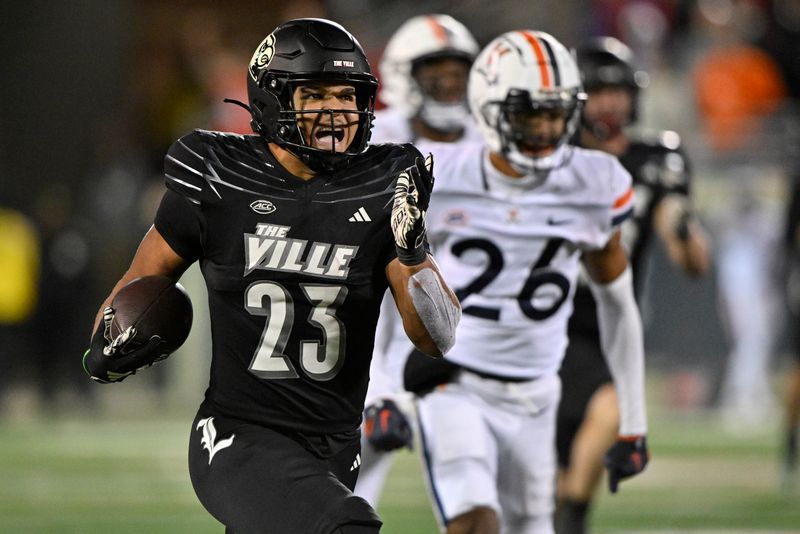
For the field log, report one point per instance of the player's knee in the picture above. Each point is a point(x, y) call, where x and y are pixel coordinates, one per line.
point(353, 516)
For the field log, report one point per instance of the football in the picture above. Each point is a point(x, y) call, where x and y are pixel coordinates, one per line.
point(154, 305)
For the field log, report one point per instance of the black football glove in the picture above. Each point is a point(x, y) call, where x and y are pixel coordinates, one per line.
point(386, 427)
point(412, 192)
point(114, 359)
point(626, 458)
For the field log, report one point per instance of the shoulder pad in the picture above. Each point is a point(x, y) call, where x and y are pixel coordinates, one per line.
point(412, 151)
point(374, 170)
point(184, 165)
point(392, 157)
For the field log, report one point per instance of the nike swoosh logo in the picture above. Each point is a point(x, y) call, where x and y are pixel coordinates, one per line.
point(558, 222)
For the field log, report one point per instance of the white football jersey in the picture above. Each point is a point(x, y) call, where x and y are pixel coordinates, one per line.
point(510, 249)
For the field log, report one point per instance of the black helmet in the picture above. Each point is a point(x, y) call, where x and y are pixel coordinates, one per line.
point(607, 61)
point(298, 52)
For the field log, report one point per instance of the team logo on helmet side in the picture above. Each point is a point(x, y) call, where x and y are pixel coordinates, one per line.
point(490, 70)
point(262, 206)
point(262, 56)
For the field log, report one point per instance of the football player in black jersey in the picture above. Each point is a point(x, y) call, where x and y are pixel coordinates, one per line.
point(299, 230)
point(588, 414)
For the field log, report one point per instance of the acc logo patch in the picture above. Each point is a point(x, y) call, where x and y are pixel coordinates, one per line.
point(262, 206)
point(262, 56)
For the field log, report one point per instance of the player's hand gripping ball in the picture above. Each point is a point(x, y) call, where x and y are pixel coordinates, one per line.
point(148, 319)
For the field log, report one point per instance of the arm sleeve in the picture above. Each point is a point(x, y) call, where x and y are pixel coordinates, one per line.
point(180, 223)
point(622, 342)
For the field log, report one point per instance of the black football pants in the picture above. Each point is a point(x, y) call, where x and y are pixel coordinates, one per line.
point(254, 479)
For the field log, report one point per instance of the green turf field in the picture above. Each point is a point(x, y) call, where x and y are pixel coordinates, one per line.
point(76, 474)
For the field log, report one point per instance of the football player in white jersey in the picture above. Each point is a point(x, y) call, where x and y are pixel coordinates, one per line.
point(424, 71)
point(509, 222)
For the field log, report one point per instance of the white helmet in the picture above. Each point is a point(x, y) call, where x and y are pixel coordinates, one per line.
point(420, 38)
point(518, 72)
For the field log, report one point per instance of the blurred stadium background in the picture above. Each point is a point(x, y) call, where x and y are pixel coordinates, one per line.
point(93, 93)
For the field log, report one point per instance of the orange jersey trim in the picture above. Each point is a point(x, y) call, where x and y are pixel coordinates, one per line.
point(624, 199)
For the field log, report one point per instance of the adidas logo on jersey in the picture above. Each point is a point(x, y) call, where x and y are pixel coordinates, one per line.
point(356, 462)
point(360, 216)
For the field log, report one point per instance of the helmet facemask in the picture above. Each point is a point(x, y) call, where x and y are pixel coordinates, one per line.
point(286, 132)
point(535, 149)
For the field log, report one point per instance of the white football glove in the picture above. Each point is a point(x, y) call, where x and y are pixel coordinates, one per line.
point(412, 193)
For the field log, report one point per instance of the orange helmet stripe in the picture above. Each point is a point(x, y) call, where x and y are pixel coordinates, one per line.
point(540, 57)
point(438, 30)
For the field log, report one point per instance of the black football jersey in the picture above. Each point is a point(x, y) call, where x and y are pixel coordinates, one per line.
point(295, 272)
point(659, 168)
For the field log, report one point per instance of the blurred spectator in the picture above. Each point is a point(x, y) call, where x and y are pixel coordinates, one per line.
point(739, 91)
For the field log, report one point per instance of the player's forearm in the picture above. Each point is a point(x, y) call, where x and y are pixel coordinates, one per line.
point(429, 309)
point(623, 345)
point(695, 250)
point(685, 240)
